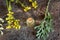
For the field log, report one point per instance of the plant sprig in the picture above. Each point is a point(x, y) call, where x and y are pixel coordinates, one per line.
point(12, 22)
point(45, 27)
point(25, 7)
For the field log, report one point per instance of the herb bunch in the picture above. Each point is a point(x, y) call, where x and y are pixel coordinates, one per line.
point(12, 22)
point(45, 26)
point(26, 7)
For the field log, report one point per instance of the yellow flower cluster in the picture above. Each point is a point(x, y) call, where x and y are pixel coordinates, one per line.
point(27, 8)
point(16, 24)
point(10, 17)
point(34, 5)
point(12, 23)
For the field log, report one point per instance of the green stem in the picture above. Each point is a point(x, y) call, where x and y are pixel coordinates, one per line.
point(7, 3)
point(22, 4)
point(47, 8)
point(9, 8)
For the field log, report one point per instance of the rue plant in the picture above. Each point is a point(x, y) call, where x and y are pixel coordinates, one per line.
point(26, 7)
point(45, 27)
point(12, 22)
point(34, 3)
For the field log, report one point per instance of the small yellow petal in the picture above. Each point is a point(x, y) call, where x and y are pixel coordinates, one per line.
point(27, 8)
point(34, 4)
point(30, 0)
point(8, 27)
point(7, 18)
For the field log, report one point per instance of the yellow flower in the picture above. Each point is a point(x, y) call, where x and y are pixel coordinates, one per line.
point(11, 12)
point(30, 0)
point(16, 24)
point(18, 27)
point(27, 8)
point(8, 14)
point(34, 4)
point(8, 27)
point(11, 17)
point(12, 22)
point(7, 18)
